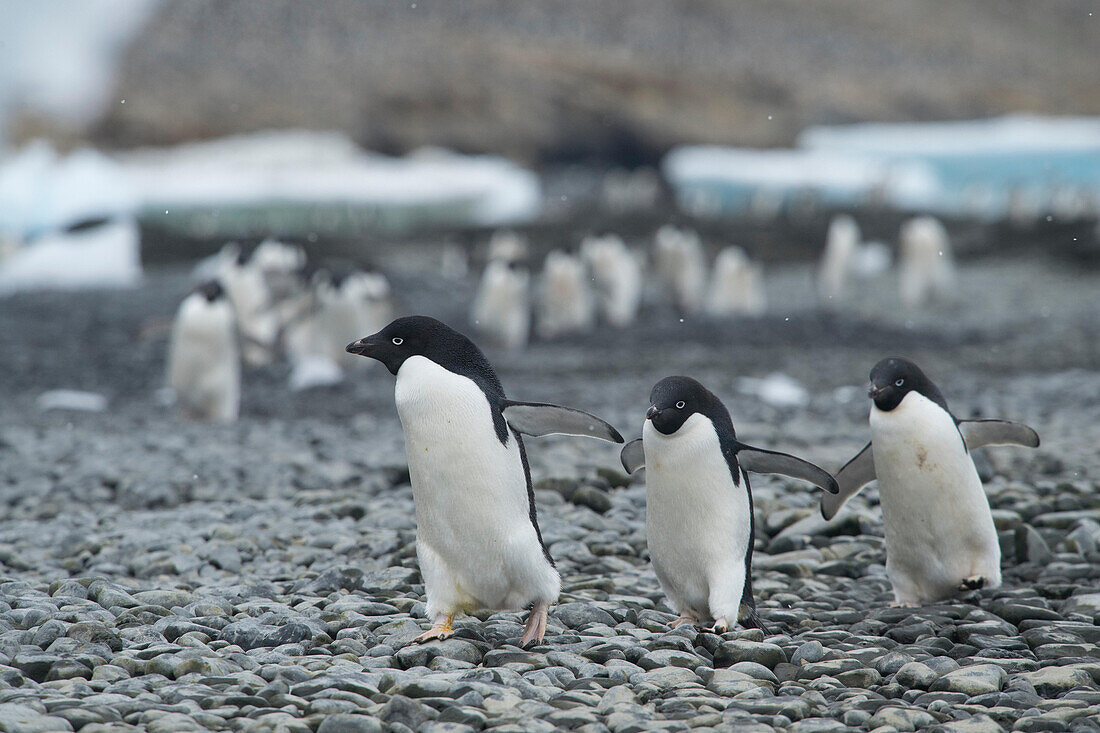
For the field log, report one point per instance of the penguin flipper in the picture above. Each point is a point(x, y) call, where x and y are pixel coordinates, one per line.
point(977, 433)
point(853, 476)
point(541, 418)
point(759, 460)
point(633, 456)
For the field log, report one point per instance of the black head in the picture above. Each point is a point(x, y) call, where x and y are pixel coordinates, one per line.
point(212, 290)
point(675, 399)
point(432, 339)
point(895, 377)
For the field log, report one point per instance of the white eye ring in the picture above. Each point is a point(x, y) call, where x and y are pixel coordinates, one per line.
point(899, 382)
point(397, 340)
point(680, 405)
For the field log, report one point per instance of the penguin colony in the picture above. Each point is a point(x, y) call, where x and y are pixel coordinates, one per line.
point(479, 545)
point(253, 310)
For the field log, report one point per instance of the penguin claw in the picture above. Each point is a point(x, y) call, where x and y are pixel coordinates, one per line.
point(974, 582)
point(438, 632)
point(682, 621)
point(536, 625)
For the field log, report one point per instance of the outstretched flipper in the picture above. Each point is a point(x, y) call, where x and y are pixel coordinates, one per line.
point(978, 433)
point(540, 418)
point(759, 460)
point(633, 455)
point(853, 476)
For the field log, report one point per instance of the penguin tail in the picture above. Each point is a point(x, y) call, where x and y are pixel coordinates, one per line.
point(750, 619)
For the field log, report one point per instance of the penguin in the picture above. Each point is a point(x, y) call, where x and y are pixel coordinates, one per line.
point(565, 302)
point(502, 307)
point(841, 246)
point(508, 246)
point(736, 285)
point(204, 365)
point(940, 538)
point(680, 264)
point(699, 516)
point(617, 276)
point(477, 539)
point(927, 268)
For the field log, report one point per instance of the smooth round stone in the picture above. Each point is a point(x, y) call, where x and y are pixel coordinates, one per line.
point(915, 675)
point(811, 651)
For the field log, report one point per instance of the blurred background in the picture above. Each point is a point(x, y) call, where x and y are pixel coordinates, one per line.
point(573, 184)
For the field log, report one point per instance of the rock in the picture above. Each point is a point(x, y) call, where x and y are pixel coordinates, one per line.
point(1052, 681)
point(979, 723)
point(901, 718)
point(346, 723)
point(251, 634)
point(915, 675)
point(577, 614)
point(338, 578)
point(811, 651)
point(404, 711)
point(1031, 547)
point(1087, 604)
point(732, 652)
point(979, 679)
point(591, 497)
point(163, 598)
point(16, 718)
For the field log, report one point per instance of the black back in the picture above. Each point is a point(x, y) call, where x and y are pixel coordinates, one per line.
point(674, 400)
point(894, 377)
point(435, 340)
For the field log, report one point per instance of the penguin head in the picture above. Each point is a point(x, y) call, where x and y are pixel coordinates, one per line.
point(212, 290)
point(414, 336)
point(894, 377)
point(675, 399)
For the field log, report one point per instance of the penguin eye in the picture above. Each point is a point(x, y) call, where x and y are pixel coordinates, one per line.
point(397, 340)
point(899, 382)
point(680, 405)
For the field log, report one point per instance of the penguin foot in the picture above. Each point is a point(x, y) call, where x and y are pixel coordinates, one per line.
point(536, 625)
point(440, 630)
point(903, 604)
point(974, 582)
point(721, 627)
point(682, 621)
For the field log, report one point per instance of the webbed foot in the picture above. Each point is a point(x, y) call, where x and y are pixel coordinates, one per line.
point(441, 629)
point(536, 625)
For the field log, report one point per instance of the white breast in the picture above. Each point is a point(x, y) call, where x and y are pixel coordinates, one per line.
point(697, 519)
point(470, 492)
point(938, 526)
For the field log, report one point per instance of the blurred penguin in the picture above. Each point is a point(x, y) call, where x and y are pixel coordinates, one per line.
point(502, 309)
point(927, 269)
point(681, 267)
point(204, 366)
point(617, 275)
point(341, 302)
point(565, 303)
point(841, 245)
point(736, 285)
point(507, 246)
point(623, 191)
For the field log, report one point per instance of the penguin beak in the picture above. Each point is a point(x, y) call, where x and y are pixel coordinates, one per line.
point(874, 392)
point(361, 347)
point(652, 412)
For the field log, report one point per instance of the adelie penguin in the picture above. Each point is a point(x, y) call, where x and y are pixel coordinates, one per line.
point(699, 517)
point(940, 538)
point(477, 533)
